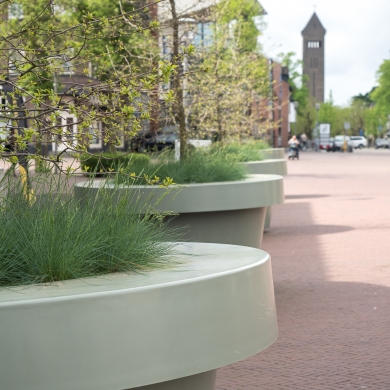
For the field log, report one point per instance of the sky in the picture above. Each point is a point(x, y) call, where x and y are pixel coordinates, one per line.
point(356, 43)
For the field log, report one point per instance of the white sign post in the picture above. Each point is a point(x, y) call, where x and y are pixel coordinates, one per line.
point(197, 143)
point(324, 135)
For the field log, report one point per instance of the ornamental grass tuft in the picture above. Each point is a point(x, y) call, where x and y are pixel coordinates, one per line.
point(46, 235)
point(201, 166)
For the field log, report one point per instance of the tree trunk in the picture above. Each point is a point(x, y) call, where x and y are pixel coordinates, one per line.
point(219, 120)
point(177, 81)
point(155, 112)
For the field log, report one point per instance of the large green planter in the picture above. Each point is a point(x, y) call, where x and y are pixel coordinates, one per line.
point(267, 167)
point(277, 166)
point(273, 153)
point(225, 212)
point(166, 329)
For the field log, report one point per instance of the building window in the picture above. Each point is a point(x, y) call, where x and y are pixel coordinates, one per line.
point(15, 11)
point(165, 45)
point(70, 129)
point(203, 35)
point(314, 44)
point(5, 124)
point(95, 132)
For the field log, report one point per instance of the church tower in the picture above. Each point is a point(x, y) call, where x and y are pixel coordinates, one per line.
point(314, 57)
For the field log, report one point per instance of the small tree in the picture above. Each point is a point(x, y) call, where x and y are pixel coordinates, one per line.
point(45, 73)
point(228, 72)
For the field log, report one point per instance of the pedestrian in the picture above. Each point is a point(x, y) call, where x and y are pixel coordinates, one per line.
point(304, 141)
point(294, 145)
point(370, 141)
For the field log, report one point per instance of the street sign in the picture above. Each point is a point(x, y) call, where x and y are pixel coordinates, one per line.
point(347, 125)
point(325, 129)
point(324, 141)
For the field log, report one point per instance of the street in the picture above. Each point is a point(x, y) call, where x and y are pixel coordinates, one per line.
point(330, 250)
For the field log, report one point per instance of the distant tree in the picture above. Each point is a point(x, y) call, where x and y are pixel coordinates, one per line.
point(215, 88)
point(228, 73)
point(306, 120)
point(381, 94)
point(297, 81)
point(44, 41)
point(366, 98)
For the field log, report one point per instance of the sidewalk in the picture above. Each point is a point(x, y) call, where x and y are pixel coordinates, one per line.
point(330, 247)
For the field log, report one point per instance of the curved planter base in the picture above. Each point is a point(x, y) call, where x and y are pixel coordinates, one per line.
point(236, 227)
point(267, 167)
point(203, 381)
point(169, 328)
point(225, 212)
point(268, 216)
point(273, 153)
point(270, 167)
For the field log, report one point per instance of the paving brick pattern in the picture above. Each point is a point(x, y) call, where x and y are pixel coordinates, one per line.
point(330, 248)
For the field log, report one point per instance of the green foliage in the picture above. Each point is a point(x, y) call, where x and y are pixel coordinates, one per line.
point(245, 14)
point(53, 237)
point(364, 98)
point(381, 95)
point(104, 163)
point(201, 166)
point(297, 81)
point(306, 120)
point(93, 61)
point(337, 116)
point(229, 74)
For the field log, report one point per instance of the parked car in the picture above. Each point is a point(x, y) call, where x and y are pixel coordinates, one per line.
point(164, 139)
point(339, 142)
point(161, 141)
point(381, 143)
point(359, 142)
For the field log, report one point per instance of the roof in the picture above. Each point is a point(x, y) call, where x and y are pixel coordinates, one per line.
point(314, 26)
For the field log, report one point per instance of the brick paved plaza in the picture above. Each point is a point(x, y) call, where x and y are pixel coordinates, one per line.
point(330, 247)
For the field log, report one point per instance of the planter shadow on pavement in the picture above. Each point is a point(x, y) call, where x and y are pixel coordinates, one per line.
point(333, 334)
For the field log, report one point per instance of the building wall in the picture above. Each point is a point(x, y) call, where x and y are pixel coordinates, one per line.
point(281, 101)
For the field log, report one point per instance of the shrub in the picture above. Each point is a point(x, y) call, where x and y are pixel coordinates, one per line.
point(49, 236)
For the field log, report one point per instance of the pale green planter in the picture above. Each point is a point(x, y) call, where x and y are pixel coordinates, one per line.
point(272, 167)
point(166, 329)
point(225, 212)
point(273, 153)
point(267, 167)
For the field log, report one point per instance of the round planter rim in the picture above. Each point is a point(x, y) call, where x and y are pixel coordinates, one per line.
point(18, 292)
point(260, 190)
point(266, 160)
point(140, 336)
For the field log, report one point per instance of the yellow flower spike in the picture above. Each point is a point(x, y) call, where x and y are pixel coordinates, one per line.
point(28, 192)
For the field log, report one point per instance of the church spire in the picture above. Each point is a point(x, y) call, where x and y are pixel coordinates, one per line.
point(314, 57)
point(314, 24)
